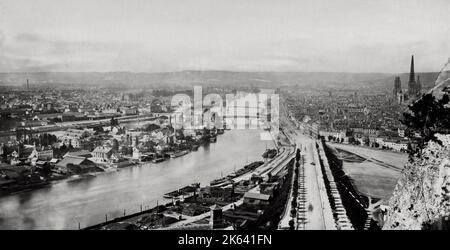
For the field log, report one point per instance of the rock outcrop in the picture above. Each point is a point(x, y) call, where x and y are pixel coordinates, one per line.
point(421, 199)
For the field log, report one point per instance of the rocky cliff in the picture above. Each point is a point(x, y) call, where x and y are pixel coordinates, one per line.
point(421, 199)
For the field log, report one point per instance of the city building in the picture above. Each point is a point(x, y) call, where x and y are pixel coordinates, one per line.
point(77, 164)
point(80, 153)
point(216, 220)
point(256, 200)
point(42, 154)
point(136, 154)
point(215, 193)
point(102, 154)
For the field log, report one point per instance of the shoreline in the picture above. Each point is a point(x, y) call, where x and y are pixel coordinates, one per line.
point(79, 177)
point(169, 202)
point(173, 199)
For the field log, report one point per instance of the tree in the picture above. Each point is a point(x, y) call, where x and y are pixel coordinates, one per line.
point(115, 145)
point(291, 225)
point(152, 127)
point(5, 153)
point(427, 117)
point(114, 122)
point(294, 203)
point(98, 129)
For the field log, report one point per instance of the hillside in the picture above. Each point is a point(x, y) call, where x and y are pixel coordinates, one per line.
point(421, 198)
point(211, 78)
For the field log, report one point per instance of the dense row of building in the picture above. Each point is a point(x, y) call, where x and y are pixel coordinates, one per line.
point(365, 117)
point(42, 107)
point(102, 148)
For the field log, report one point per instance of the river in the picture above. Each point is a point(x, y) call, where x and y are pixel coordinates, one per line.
point(70, 204)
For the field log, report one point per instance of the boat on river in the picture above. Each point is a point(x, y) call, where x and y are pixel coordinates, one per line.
point(157, 160)
point(179, 153)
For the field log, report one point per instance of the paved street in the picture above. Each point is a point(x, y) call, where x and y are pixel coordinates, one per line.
point(316, 205)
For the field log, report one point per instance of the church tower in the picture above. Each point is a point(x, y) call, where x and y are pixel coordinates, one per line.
point(412, 75)
point(398, 93)
point(397, 86)
point(419, 86)
point(412, 80)
point(414, 88)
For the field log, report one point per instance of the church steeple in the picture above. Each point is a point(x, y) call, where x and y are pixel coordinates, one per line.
point(412, 77)
point(414, 88)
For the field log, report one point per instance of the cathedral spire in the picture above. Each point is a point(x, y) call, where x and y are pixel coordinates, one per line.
point(412, 76)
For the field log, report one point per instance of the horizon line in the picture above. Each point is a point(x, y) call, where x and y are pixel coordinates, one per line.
point(212, 70)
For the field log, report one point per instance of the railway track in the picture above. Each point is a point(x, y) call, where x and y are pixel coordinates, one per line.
point(301, 197)
point(281, 162)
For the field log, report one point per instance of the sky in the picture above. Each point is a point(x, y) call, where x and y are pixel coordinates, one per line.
point(235, 35)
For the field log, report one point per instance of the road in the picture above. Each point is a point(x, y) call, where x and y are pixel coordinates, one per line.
point(314, 209)
point(317, 210)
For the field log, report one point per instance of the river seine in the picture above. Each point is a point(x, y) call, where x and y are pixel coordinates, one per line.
point(85, 202)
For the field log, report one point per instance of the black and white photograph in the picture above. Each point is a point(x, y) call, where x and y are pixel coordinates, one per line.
point(225, 115)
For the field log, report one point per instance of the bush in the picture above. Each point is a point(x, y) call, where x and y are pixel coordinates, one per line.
point(427, 117)
point(291, 225)
point(293, 212)
point(294, 202)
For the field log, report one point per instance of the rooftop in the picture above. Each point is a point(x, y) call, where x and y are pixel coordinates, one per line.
point(102, 149)
point(75, 160)
point(257, 196)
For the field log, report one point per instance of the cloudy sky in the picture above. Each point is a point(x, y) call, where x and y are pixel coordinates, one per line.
point(239, 35)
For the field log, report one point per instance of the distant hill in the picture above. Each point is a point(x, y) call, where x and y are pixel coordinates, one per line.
point(210, 78)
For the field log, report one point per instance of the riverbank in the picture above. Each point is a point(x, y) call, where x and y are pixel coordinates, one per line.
point(186, 198)
point(87, 201)
point(56, 177)
point(20, 188)
point(166, 215)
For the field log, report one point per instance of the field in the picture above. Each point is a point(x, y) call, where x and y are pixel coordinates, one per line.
point(374, 172)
